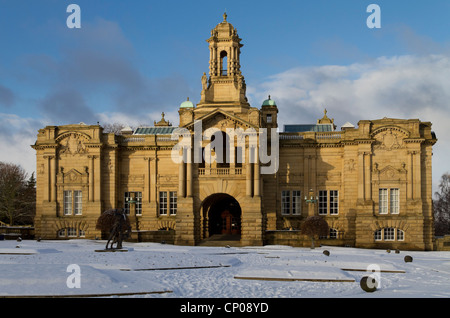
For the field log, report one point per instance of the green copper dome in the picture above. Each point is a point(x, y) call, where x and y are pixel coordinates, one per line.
point(187, 104)
point(269, 102)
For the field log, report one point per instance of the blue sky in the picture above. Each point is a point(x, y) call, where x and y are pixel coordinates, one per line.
point(131, 60)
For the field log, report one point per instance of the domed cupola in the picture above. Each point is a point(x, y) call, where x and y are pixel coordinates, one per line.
point(187, 104)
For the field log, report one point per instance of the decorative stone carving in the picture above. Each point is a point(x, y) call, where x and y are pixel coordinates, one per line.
point(73, 144)
point(389, 139)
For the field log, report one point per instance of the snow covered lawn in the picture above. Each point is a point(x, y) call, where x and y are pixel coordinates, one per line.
point(167, 271)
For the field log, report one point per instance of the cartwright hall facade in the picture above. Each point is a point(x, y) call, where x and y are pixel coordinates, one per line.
point(371, 183)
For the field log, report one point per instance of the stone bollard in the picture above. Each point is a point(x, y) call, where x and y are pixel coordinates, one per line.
point(408, 259)
point(368, 284)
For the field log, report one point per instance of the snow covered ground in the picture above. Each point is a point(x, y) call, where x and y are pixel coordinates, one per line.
point(30, 268)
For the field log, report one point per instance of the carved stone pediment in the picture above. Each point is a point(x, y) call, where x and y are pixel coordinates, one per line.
point(72, 143)
point(389, 173)
point(389, 138)
point(72, 176)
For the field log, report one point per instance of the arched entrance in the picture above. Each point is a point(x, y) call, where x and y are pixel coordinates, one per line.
point(221, 217)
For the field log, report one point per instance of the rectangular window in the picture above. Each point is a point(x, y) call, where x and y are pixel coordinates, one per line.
point(72, 232)
point(131, 198)
point(389, 201)
point(323, 202)
point(285, 202)
point(269, 118)
point(296, 202)
point(138, 206)
point(334, 202)
point(333, 234)
point(389, 234)
point(173, 202)
point(162, 203)
point(126, 200)
point(67, 203)
point(78, 197)
point(394, 201)
point(383, 201)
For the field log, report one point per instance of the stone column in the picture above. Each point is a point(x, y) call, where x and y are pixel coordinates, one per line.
point(181, 179)
point(91, 178)
point(146, 196)
point(189, 179)
point(361, 181)
point(256, 175)
point(248, 174)
point(97, 179)
point(367, 176)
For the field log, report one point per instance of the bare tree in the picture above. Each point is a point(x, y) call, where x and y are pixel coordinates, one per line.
point(441, 206)
point(17, 194)
point(314, 226)
point(113, 128)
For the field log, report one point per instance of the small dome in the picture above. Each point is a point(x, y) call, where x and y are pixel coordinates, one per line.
point(187, 104)
point(269, 102)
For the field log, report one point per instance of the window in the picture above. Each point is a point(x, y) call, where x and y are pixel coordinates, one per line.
point(383, 200)
point(67, 202)
point(328, 202)
point(285, 202)
point(334, 202)
point(377, 235)
point(333, 234)
point(389, 201)
point(71, 232)
point(162, 203)
point(269, 118)
point(72, 202)
point(394, 201)
point(400, 235)
point(323, 202)
point(173, 202)
point(291, 202)
point(138, 206)
point(296, 203)
point(389, 234)
point(78, 196)
point(133, 198)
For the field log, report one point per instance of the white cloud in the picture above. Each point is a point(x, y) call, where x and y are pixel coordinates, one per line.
point(16, 137)
point(398, 87)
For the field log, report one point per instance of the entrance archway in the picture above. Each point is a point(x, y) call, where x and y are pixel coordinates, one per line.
point(221, 217)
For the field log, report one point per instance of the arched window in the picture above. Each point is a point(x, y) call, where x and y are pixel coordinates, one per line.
point(223, 63)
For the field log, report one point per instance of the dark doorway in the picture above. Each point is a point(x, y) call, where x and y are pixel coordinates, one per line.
point(223, 213)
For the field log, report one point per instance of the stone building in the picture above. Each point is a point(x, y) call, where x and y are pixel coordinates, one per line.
point(224, 171)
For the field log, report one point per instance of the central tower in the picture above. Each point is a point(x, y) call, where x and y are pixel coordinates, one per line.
point(225, 86)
